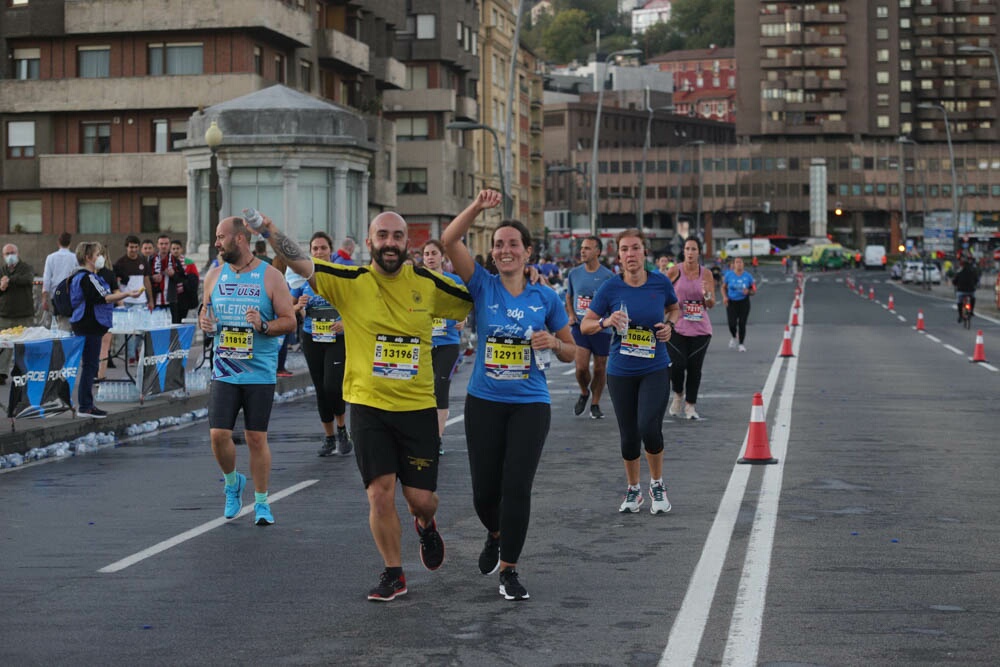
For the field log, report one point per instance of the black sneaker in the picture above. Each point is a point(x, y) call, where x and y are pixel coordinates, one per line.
point(94, 412)
point(431, 545)
point(329, 447)
point(510, 586)
point(344, 444)
point(389, 587)
point(489, 558)
point(595, 412)
point(581, 404)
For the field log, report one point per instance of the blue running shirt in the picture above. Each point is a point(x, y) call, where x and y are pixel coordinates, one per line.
point(583, 285)
point(443, 331)
point(241, 354)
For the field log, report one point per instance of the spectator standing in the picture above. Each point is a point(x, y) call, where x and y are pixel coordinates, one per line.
point(59, 266)
point(345, 253)
point(148, 249)
point(165, 273)
point(260, 251)
point(132, 272)
point(187, 282)
point(17, 303)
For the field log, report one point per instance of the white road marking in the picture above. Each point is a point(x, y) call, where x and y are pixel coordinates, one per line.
point(901, 318)
point(198, 530)
point(454, 420)
point(570, 371)
point(988, 367)
point(954, 349)
point(933, 338)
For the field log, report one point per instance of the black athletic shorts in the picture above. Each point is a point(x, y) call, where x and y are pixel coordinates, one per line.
point(225, 401)
point(405, 444)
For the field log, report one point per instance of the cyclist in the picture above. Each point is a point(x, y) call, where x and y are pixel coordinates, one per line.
point(966, 281)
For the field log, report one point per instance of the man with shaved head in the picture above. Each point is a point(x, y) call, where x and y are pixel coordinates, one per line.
point(387, 309)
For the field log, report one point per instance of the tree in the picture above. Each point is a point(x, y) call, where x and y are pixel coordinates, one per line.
point(701, 23)
point(566, 34)
point(660, 38)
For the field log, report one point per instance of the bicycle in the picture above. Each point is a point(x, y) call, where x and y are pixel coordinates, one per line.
point(965, 311)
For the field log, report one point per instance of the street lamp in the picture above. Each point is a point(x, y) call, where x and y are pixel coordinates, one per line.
point(697, 219)
point(597, 130)
point(903, 223)
point(954, 176)
point(469, 125)
point(563, 169)
point(967, 48)
point(645, 150)
point(213, 137)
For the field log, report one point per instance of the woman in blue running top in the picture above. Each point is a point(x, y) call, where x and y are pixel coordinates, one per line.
point(507, 410)
point(642, 308)
point(737, 288)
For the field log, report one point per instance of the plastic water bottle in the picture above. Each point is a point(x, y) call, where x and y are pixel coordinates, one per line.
point(543, 358)
point(254, 219)
point(623, 329)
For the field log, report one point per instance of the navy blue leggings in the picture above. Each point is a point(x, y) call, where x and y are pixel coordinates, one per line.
point(640, 402)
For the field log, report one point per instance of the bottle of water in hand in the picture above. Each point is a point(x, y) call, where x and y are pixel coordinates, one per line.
point(623, 328)
point(543, 358)
point(253, 218)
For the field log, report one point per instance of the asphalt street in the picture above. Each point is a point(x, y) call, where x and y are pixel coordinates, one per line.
point(871, 542)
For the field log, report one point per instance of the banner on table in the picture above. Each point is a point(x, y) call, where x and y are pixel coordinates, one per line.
point(163, 360)
point(43, 377)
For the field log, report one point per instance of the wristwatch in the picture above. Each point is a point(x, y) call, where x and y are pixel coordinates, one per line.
point(264, 327)
point(600, 322)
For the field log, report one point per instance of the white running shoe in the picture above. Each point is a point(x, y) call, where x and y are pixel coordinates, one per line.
point(633, 501)
point(658, 494)
point(743, 348)
point(732, 343)
point(677, 405)
point(689, 412)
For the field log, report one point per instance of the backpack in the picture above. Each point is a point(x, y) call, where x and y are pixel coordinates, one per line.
point(61, 301)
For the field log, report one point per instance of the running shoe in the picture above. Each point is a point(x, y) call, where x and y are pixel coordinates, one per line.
point(581, 404)
point(262, 514)
point(595, 412)
point(633, 500)
point(677, 405)
point(732, 343)
point(743, 348)
point(94, 412)
point(489, 558)
point(344, 444)
point(329, 447)
point(284, 374)
point(389, 587)
point(234, 496)
point(690, 412)
point(658, 494)
point(431, 545)
point(511, 587)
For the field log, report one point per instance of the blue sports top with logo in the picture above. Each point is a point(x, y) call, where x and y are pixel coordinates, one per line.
point(505, 371)
point(241, 354)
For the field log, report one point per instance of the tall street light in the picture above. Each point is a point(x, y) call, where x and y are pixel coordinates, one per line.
point(469, 125)
point(597, 129)
point(213, 137)
point(645, 150)
point(984, 49)
point(697, 218)
point(954, 176)
point(563, 169)
point(904, 223)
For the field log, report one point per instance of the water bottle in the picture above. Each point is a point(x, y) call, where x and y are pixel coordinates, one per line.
point(543, 358)
point(623, 329)
point(254, 219)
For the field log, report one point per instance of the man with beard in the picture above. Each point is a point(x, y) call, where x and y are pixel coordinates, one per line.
point(387, 309)
point(248, 308)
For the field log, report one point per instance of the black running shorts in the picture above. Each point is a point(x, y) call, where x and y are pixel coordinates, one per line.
point(226, 400)
point(405, 444)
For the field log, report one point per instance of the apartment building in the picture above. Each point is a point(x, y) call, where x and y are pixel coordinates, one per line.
point(704, 81)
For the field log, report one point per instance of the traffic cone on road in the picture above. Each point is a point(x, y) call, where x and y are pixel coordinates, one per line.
point(798, 304)
point(795, 317)
point(871, 294)
point(920, 320)
point(861, 290)
point(758, 449)
point(892, 304)
point(979, 352)
point(786, 344)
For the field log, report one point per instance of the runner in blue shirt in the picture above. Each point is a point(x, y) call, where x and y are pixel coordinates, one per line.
point(737, 288)
point(507, 410)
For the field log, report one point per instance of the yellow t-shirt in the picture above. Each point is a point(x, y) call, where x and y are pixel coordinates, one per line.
point(387, 330)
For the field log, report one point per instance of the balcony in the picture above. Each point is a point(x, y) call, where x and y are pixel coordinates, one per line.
point(125, 93)
point(835, 103)
point(834, 84)
point(121, 170)
point(389, 72)
point(338, 47)
point(134, 16)
point(466, 108)
point(428, 99)
point(772, 105)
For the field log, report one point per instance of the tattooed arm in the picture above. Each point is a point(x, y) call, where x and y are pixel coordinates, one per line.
point(297, 259)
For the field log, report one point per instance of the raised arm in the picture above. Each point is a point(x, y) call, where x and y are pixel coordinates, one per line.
point(459, 255)
point(297, 259)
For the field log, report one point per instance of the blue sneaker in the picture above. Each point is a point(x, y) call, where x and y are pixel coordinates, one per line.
point(262, 514)
point(234, 496)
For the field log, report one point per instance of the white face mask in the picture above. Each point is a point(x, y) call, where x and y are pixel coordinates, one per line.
point(99, 262)
point(11, 260)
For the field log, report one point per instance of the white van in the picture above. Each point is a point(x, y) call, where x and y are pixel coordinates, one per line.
point(741, 248)
point(875, 257)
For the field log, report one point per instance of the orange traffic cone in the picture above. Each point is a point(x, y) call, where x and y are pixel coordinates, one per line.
point(861, 290)
point(758, 448)
point(920, 320)
point(892, 304)
point(871, 294)
point(798, 304)
point(795, 317)
point(979, 353)
point(786, 344)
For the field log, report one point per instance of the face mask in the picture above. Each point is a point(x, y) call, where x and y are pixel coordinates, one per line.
point(11, 260)
point(99, 262)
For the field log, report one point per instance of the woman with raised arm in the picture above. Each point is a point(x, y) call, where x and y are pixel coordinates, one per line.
point(507, 410)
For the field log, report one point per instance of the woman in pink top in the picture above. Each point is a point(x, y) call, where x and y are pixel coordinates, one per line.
point(695, 288)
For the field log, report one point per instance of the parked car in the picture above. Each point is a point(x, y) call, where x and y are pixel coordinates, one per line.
point(896, 272)
point(919, 272)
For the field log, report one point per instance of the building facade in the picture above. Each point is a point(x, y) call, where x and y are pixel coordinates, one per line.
point(704, 81)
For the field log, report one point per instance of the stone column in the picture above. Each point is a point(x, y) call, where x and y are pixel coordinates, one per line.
point(195, 224)
point(226, 209)
point(361, 226)
point(340, 205)
point(290, 174)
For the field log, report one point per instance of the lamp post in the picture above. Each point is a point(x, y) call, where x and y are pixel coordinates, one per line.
point(954, 176)
point(697, 219)
point(563, 169)
point(903, 223)
point(984, 49)
point(597, 130)
point(469, 125)
point(213, 137)
point(645, 150)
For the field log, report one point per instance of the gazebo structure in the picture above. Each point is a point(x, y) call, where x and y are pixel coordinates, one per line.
point(302, 161)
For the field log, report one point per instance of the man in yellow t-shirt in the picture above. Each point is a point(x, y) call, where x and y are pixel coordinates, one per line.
point(387, 308)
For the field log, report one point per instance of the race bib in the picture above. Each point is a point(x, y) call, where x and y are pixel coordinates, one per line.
point(639, 342)
point(235, 343)
point(694, 311)
point(507, 358)
point(396, 357)
point(439, 327)
point(323, 331)
point(582, 304)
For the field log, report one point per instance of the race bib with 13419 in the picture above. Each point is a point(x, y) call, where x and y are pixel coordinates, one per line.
point(396, 357)
point(322, 331)
point(507, 358)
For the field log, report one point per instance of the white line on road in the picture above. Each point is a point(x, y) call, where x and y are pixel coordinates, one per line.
point(901, 318)
point(954, 349)
point(570, 371)
point(454, 420)
point(989, 367)
point(933, 338)
point(195, 532)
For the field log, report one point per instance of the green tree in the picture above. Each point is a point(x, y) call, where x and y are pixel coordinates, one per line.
point(701, 23)
point(563, 38)
point(660, 38)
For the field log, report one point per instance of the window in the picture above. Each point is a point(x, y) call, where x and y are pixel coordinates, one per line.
point(416, 78)
point(882, 77)
point(882, 121)
point(162, 214)
point(160, 136)
point(882, 55)
point(882, 99)
point(94, 216)
point(175, 59)
point(258, 61)
point(411, 129)
point(279, 68)
point(94, 62)
point(881, 34)
point(426, 26)
point(18, 3)
point(96, 138)
point(21, 139)
point(411, 181)
point(305, 75)
point(882, 11)
point(25, 216)
point(27, 63)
